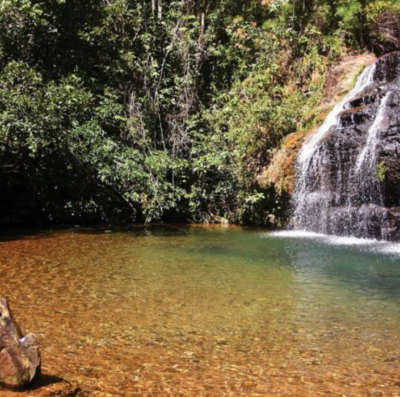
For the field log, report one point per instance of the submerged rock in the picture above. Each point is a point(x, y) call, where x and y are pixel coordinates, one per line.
point(20, 362)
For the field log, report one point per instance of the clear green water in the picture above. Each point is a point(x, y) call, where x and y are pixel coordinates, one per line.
point(209, 311)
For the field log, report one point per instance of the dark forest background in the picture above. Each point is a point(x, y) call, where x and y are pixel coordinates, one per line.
point(156, 110)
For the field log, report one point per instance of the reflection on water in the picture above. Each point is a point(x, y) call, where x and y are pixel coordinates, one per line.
point(197, 311)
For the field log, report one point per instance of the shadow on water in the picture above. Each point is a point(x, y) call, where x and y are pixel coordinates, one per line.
point(45, 381)
point(169, 230)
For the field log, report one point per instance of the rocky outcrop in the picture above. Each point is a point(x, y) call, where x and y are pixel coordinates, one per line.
point(341, 77)
point(281, 171)
point(348, 180)
point(20, 362)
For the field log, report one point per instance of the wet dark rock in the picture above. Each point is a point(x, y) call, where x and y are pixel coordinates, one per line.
point(340, 196)
point(20, 362)
point(356, 115)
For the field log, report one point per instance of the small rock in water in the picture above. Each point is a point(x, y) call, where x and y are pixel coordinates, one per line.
point(20, 361)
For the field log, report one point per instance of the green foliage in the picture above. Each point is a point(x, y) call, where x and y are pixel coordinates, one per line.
point(154, 110)
point(381, 171)
point(383, 18)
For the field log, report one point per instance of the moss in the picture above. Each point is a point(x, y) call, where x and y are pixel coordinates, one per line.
point(381, 171)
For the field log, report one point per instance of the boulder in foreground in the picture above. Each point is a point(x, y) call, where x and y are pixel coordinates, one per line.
point(20, 362)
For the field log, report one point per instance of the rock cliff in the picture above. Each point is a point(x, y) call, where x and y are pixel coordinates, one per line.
point(348, 172)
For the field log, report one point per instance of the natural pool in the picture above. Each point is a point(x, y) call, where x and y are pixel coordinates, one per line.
point(209, 311)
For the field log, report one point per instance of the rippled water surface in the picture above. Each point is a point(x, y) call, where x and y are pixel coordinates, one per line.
point(207, 311)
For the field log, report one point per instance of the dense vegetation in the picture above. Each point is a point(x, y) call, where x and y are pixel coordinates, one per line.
point(155, 110)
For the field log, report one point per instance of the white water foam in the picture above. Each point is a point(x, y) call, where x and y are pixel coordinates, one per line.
point(393, 249)
point(296, 234)
point(377, 246)
point(368, 154)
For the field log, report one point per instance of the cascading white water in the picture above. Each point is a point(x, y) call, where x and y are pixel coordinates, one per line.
point(367, 157)
point(348, 172)
point(311, 203)
point(307, 151)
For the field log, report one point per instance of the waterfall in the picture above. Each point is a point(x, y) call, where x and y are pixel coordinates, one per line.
point(339, 187)
point(308, 149)
point(367, 157)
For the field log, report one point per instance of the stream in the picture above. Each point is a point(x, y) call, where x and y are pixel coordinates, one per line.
point(209, 311)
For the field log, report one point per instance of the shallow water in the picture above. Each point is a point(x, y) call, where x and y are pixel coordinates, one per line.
point(209, 311)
